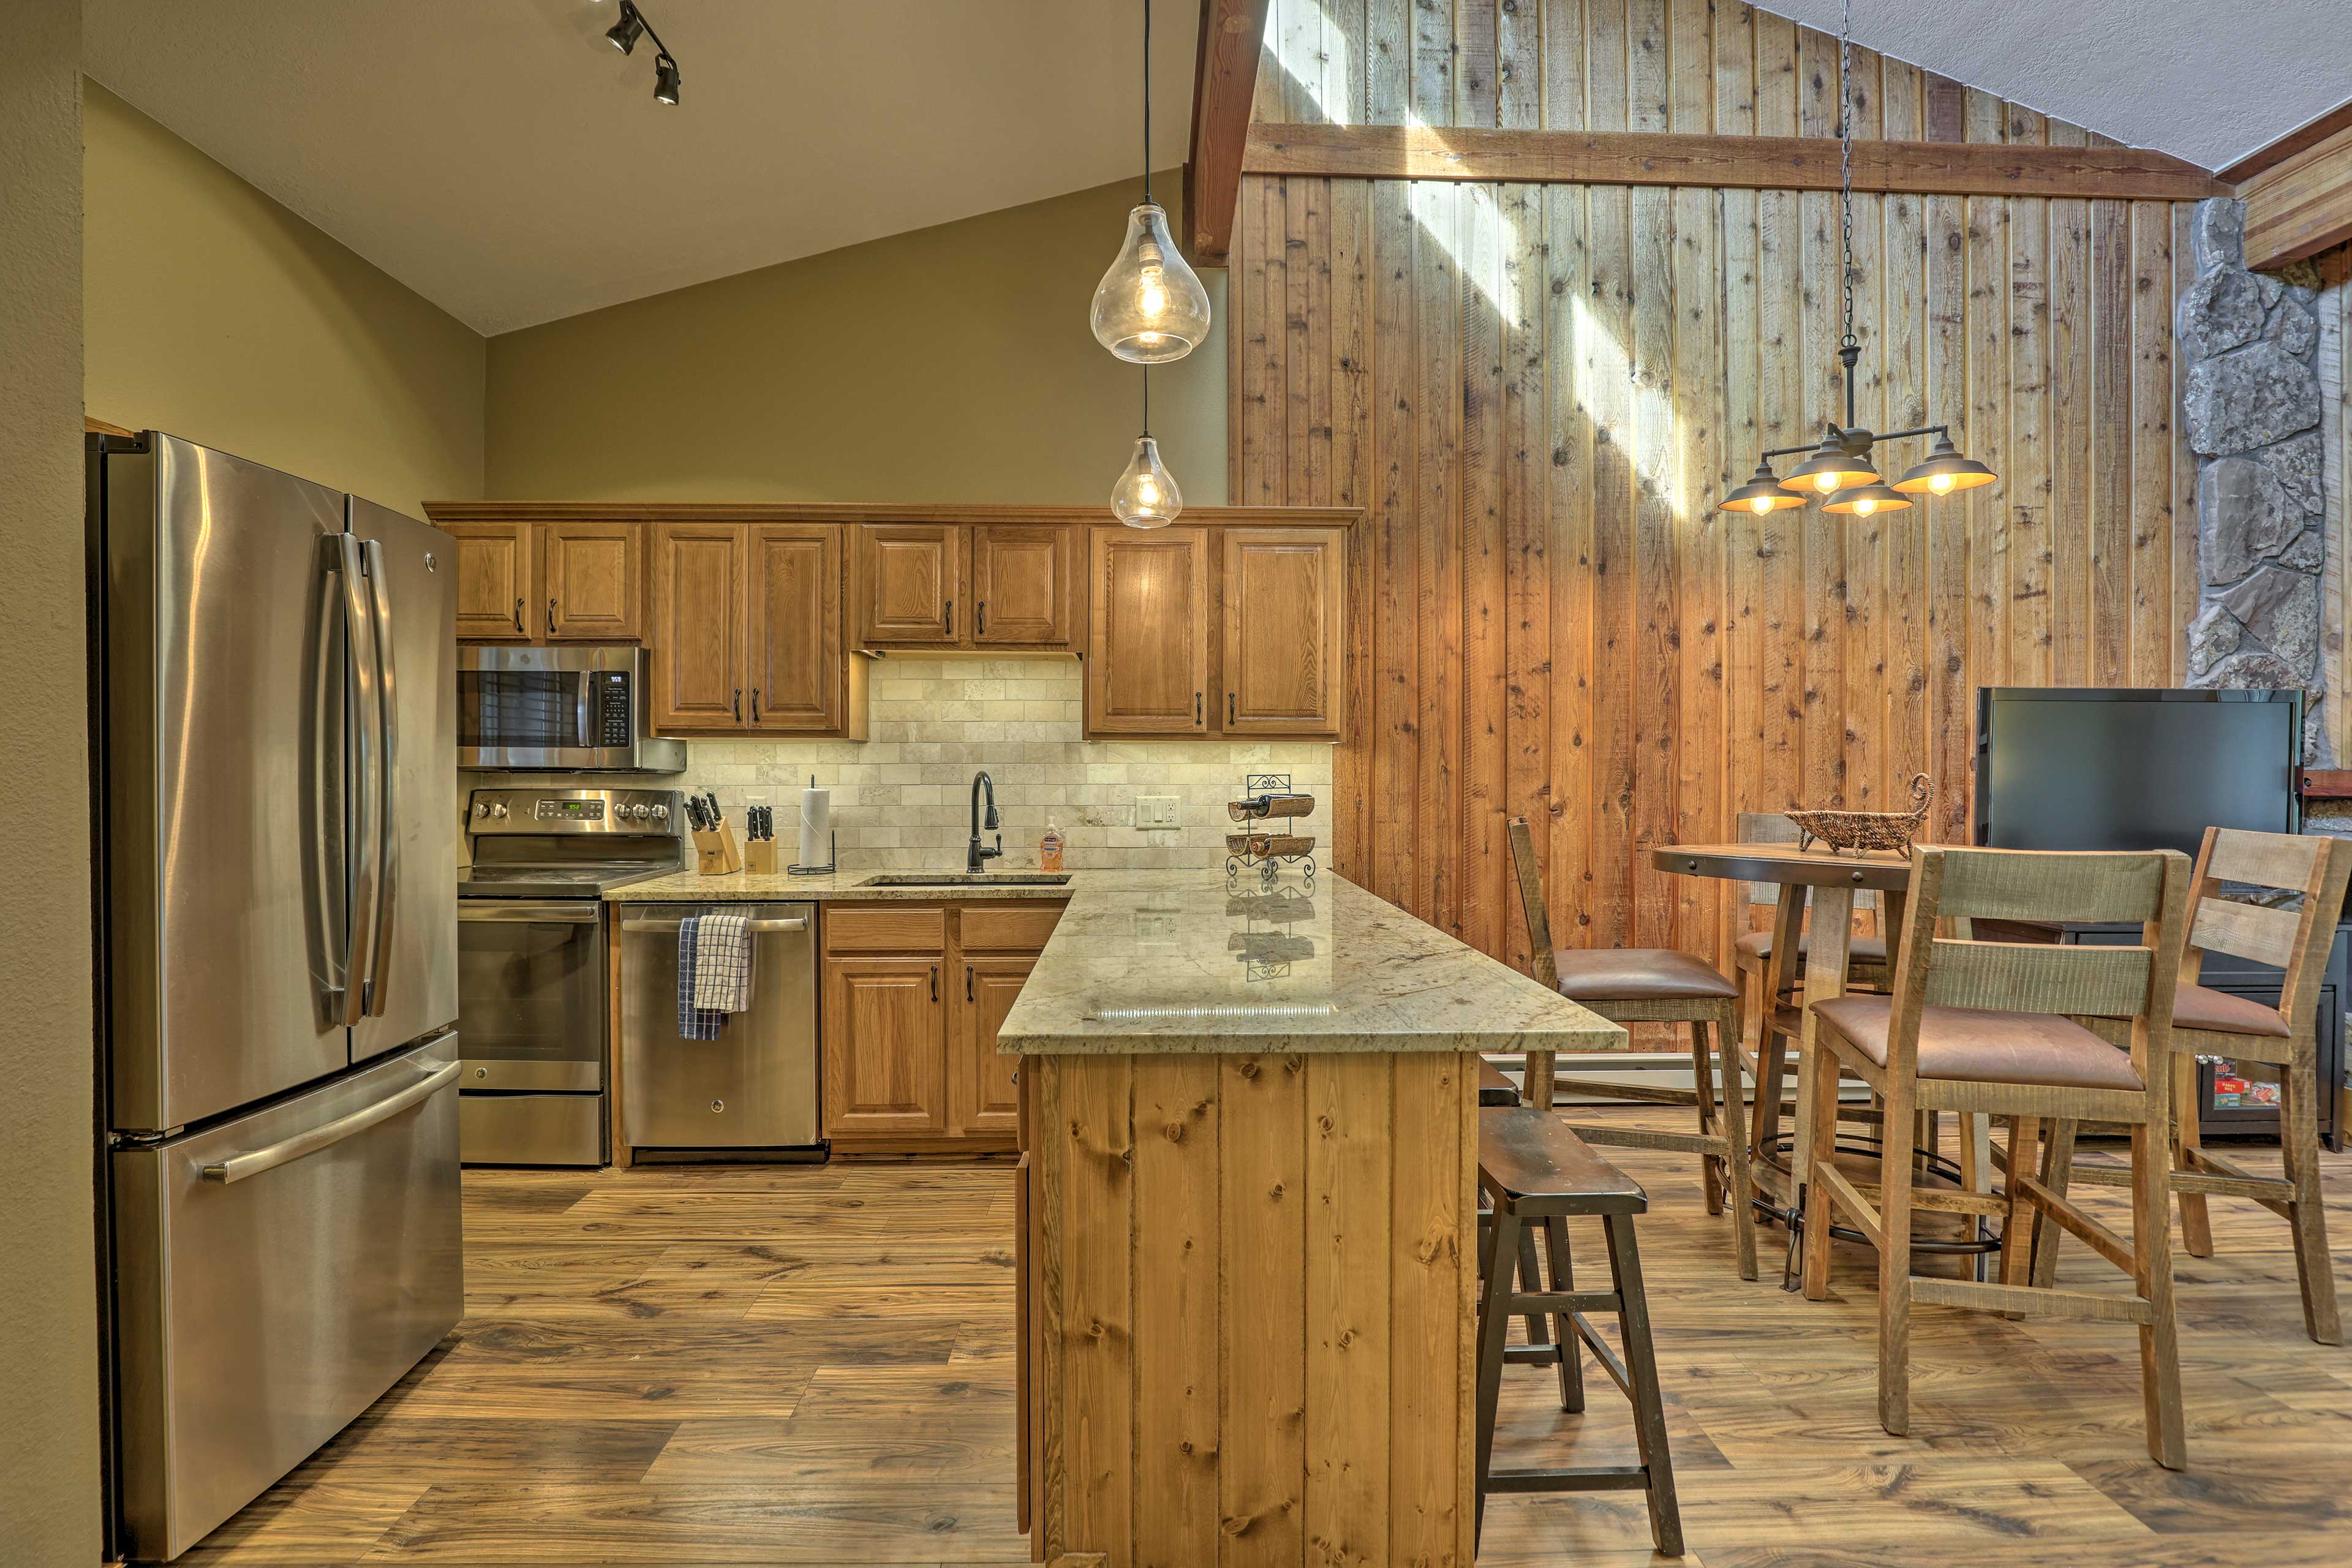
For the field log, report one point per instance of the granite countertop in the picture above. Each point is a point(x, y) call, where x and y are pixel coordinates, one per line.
point(745, 887)
point(1150, 962)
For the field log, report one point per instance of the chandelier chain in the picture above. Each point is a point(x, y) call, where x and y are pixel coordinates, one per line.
point(1845, 157)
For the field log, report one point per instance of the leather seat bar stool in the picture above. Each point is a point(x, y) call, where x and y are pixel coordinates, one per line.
point(2283, 1037)
point(1999, 1028)
point(1652, 985)
point(1535, 1173)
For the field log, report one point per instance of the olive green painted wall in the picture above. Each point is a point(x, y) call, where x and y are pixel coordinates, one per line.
point(949, 363)
point(217, 314)
point(49, 1505)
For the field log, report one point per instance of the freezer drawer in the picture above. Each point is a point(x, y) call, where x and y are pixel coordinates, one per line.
point(531, 1129)
point(273, 1275)
point(754, 1087)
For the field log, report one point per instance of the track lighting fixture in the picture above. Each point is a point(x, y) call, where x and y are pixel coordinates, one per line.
point(623, 35)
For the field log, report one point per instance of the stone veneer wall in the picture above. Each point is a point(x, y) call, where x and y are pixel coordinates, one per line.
point(2253, 410)
point(901, 799)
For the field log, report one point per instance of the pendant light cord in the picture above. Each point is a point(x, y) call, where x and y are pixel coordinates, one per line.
point(1147, 104)
point(1147, 402)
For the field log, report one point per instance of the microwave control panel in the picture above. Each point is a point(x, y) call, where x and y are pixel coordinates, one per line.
point(614, 723)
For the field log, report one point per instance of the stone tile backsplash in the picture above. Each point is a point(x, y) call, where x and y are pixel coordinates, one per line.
point(901, 798)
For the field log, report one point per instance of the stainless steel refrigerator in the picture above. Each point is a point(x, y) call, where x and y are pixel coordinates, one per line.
point(275, 819)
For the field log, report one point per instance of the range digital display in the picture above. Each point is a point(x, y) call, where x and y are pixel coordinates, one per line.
point(569, 811)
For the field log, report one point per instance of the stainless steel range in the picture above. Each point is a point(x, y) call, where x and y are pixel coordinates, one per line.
point(531, 962)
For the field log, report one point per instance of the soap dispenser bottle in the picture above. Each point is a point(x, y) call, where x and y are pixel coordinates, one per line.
point(1049, 849)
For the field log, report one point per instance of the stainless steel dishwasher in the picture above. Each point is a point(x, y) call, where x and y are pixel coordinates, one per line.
point(754, 1087)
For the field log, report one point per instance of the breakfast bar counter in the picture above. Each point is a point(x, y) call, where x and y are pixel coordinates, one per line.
point(1248, 1228)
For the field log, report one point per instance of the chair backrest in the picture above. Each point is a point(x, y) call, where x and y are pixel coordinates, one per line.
point(2085, 981)
point(1531, 904)
point(2295, 940)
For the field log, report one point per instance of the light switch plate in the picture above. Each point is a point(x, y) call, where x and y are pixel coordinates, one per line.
point(1156, 811)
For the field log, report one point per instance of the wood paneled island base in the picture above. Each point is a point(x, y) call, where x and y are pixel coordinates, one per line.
point(1249, 1275)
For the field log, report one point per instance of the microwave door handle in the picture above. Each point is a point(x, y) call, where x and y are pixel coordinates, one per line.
point(366, 729)
point(583, 727)
point(387, 777)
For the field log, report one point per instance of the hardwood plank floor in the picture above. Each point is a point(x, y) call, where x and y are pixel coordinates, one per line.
point(681, 1366)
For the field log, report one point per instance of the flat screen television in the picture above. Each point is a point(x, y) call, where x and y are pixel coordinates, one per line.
point(2078, 768)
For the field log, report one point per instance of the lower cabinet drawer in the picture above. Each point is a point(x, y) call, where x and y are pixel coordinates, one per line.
point(1008, 927)
point(912, 929)
point(530, 1128)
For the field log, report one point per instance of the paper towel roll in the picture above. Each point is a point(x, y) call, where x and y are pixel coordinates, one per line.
point(816, 826)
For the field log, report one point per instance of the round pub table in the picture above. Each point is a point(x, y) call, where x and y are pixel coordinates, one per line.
point(1830, 879)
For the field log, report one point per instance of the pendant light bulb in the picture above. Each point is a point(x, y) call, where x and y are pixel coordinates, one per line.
point(1149, 306)
point(1825, 483)
point(1146, 495)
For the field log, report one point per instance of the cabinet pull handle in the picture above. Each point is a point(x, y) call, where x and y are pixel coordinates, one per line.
point(550, 617)
point(1228, 707)
point(1196, 709)
point(755, 705)
point(935, 982)
point(518, 631)
point(981, 627)
point(738, 705)
point(966, 982)
point(947, 610)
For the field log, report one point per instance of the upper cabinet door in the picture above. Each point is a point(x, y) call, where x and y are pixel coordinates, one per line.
point(1283, 658)
point(909, 576)
point(593, 580)
point(698, 641)
point(794, 627)
point(1148, 664)
point(1022, 581)
point(498, 592)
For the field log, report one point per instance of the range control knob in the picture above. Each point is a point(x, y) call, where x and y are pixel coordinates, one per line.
point(497, 814)
point(661, 814)
point(640, 812)
point(481, 809)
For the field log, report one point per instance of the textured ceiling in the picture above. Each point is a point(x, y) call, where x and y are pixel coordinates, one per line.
point(501, 159)
point(2207, 81)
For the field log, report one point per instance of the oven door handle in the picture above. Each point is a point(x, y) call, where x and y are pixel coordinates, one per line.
point(533, 914)
point(757, 928)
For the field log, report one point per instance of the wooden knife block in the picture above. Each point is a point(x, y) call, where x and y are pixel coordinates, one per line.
point(760, 856)
point(714, 854)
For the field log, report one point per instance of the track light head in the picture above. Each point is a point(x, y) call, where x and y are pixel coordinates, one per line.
point(625, 32)
point(665, 78)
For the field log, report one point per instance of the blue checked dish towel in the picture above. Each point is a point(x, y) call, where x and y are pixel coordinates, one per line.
point(714, 973)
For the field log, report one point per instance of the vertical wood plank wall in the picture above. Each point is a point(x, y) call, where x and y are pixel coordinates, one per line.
point(1538, 393)
point(1255, 1306)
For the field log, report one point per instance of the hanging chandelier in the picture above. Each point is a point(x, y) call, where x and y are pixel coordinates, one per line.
point(1149, 306)
point(1842, 469)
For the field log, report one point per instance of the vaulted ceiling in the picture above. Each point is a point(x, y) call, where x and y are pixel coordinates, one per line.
point(503, 161)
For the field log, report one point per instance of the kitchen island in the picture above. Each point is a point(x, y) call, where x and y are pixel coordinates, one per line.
point(1248, 1228)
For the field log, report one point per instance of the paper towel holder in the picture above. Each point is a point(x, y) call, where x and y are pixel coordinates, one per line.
point(828, 868)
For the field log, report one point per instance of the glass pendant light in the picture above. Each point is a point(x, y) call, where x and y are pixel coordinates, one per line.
point(1146, 495)
point(1149, 306)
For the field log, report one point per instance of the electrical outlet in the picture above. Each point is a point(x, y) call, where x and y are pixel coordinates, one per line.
point(1156, 811)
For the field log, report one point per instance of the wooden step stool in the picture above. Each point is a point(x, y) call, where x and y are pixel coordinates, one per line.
point(1535, 1173)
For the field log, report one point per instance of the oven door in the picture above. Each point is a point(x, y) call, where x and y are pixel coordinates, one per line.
point(531, 994)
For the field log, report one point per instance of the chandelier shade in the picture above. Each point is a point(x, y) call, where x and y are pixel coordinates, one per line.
point(1831, 468)
point(1947, 469)
point(1762, 493)
point(1866, 501)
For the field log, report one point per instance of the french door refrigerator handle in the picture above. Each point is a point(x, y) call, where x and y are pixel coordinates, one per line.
point(344, 558)
point(388, 714)
point(253, 1161)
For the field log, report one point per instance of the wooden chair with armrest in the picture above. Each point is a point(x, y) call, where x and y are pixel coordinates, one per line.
point(1998, 1028)
point(2215, 1022)
point(1651, 985)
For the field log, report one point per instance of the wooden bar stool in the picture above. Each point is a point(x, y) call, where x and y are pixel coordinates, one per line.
point(2215, 1022)
point(1535, 1173)
point(1998, 1028)
point(1652, 985)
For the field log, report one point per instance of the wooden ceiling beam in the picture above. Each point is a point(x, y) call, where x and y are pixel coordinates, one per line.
point(1225, 87)
point(1738, 163)
point(2300, 206)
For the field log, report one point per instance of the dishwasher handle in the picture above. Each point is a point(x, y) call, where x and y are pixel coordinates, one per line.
point(757, 928)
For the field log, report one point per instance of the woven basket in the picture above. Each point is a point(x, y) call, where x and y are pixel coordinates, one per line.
point(1862, 831)
point(1266, 806)
point(1264, 846)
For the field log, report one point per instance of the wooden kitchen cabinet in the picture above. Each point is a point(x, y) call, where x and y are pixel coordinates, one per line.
point(884, 1046)
point(1023, 585)
point(1283, 668)
point(910, 578)
point(498, 585)
point(697, 626)
point(592, 576)
point(571, 581)
point(746, 632)
point(1147, 651)
point(907, 1074)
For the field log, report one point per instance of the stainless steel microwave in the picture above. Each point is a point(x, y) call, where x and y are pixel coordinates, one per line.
point(559, 710)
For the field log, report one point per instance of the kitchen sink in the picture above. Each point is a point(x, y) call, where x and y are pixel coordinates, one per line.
point(967, 879)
